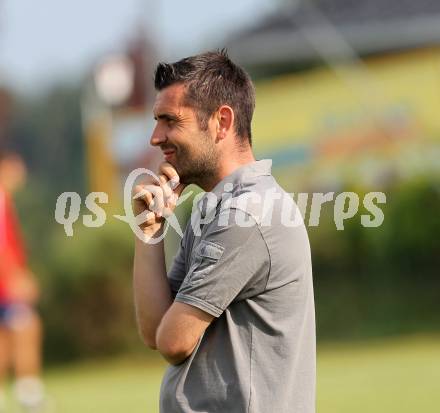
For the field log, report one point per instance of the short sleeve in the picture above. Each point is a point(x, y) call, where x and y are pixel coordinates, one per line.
point(177, 272)
point(231, 263)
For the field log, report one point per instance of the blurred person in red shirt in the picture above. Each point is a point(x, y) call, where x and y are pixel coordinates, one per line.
point(20, 325)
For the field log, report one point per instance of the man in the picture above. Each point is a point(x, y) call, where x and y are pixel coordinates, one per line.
point(20, 326)
point(234, 316)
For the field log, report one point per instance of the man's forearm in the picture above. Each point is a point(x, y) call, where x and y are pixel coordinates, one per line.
point(152, 294)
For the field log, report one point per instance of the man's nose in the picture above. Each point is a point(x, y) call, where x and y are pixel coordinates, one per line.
point(158, 136)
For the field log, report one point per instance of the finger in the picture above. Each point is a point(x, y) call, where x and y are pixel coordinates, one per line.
point(166, 187)
point(145, 218)
point(151, 196)
point(169, 208)
point(157, 204)
point(170, 172)
point(179, 189)
point(142, 194)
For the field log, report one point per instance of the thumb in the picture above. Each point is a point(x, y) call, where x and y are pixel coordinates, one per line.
point(179, 189)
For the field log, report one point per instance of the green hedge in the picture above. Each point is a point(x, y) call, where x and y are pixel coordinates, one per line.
point(368, 281)
point(375, 281)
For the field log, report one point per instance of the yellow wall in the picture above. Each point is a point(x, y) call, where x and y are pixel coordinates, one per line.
point(331, 119)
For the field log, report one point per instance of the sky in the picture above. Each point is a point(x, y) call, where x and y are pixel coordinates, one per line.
point(46, 41)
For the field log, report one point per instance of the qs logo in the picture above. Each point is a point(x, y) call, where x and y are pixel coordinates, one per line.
point(68, 205)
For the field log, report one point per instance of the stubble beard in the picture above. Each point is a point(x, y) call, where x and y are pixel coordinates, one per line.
point(198, 166)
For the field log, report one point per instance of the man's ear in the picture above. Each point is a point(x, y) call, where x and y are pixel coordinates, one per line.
point(225, 121)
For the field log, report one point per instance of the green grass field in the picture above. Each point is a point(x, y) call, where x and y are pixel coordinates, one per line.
point(394, 375)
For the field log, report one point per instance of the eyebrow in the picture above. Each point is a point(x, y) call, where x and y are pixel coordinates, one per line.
point(166, 116)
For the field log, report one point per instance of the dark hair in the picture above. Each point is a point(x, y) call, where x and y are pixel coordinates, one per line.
point(212, 80)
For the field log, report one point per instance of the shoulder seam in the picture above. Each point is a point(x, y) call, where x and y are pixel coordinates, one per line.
point(268, 254)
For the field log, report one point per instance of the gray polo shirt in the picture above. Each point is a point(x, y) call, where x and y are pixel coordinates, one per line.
point(245, 259)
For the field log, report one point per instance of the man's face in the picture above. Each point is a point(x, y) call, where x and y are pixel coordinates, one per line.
point(189, 149)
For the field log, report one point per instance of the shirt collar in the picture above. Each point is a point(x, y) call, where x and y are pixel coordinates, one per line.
point(248, 171)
